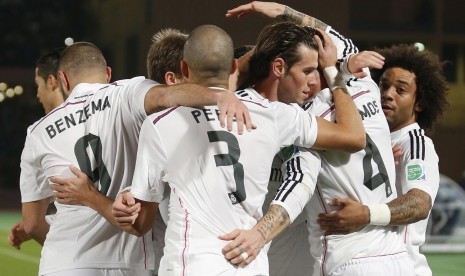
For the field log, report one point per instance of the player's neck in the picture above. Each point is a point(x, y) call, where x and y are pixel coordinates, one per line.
point(268, 88)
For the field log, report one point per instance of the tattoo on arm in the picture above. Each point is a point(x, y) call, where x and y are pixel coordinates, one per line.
point(275, 220)
point(410, 207)
point(303, 19)
point(293, 15)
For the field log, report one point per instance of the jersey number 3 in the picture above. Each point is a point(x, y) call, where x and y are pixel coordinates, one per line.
point(230, 159)
point(374, 181)
point(95, 169)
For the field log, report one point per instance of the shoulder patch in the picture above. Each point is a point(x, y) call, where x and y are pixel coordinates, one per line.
point(416, 172)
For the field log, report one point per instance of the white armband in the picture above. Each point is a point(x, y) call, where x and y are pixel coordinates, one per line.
point(379, 214)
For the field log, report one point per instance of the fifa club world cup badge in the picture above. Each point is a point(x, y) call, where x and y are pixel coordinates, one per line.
point(416, 172)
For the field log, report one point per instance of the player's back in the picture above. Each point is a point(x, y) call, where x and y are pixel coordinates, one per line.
point(97, 129)
point(367, 176)
point(219, 179)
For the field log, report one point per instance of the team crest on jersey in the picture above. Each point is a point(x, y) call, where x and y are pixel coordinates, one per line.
point(289, 152)
point(416, 172)
point(232, 198)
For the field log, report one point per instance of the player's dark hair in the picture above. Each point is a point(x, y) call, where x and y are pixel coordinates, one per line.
point(48, 64)
point(279, 40)
point(431, 84)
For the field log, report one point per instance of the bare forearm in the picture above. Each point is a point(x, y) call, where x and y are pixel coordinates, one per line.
point(303, 19)
point(349, 122)
point(102, 204)
point(34, 219)
point(163, 96)
point(40, 232)
point(273, 223)
point(410, 207)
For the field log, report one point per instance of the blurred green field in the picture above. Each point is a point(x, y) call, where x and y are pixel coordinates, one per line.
point(25, 262)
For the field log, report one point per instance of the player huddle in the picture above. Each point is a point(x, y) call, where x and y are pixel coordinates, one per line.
point(161, 178)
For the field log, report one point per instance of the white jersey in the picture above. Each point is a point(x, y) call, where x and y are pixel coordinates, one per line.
point(218, 179)
point(367, 176)
point(32, 182)
point(96, 128)
point(417, 169)
point(289, 252)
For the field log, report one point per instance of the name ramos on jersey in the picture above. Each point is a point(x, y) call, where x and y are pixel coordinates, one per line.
point(77, 117)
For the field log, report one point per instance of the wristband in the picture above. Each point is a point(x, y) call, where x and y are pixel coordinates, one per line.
point(330, 74)
point(379, 214)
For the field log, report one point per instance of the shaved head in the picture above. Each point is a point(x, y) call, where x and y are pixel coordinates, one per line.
point(82, 58)
point(209, 52)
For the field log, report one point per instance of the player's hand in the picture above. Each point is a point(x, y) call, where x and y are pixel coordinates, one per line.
point(269, 9)
point(362, 60)
point(18, 235)
point(397, 152)
point(352, 217)
point(232, 108)
point(125, 209)
point(327, 51)
point(244, 246)
point(74, 191)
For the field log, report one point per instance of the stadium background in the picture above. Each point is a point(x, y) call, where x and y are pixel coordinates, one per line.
point(122, 29)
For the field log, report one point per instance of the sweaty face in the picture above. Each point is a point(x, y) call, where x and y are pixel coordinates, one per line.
point(298, 82)
point(398, 91)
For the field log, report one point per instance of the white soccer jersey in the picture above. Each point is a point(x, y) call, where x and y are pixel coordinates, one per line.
point(367, 176)
point(218, 179)
point(289, 252)
point(96, 128)
point(417, 168)
point(32, 182)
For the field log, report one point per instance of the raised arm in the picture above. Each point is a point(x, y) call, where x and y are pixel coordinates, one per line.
point(273, 10)
point(348, 133)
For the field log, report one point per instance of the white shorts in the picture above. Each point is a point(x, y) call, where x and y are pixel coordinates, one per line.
point(391, 265)
point(101, 272)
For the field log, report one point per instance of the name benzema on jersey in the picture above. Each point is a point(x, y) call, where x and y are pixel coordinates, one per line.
point(77, 117)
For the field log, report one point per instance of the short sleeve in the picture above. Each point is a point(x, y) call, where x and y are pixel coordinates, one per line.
point(147, 184)
point(33, 183)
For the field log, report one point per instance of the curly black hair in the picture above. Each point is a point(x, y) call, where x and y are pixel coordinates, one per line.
point(431, 84)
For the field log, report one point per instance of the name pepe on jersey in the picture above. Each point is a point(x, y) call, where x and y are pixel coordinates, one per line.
point(78, 117)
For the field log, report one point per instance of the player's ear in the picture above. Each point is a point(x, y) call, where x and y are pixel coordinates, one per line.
point(108, 74)
point(234, 66)
point(64, 81)
point(184, 69)
point(170, 78)
point(52, 82)
point(278, 67)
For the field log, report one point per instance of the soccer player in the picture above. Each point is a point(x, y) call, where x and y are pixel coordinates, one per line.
point(97, 128)
point(35, 197)
point(165, 55)
point(164, 66)
point(218, 179)
point(413, 91)
point(366, 175)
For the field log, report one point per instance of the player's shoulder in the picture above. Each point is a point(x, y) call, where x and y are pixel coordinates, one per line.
point(415, 143)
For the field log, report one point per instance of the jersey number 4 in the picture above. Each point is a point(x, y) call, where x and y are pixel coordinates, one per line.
point(230, 159)
point(90, 145)
point(374, 181)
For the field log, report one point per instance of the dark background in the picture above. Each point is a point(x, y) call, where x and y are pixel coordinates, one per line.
point(122, 29)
